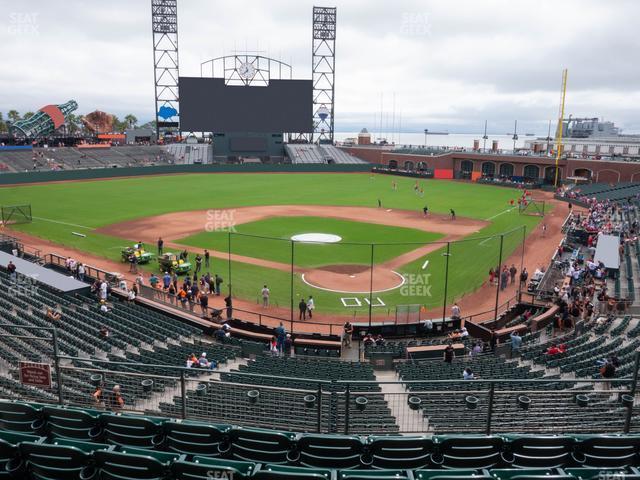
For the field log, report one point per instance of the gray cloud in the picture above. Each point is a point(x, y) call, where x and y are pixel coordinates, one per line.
point(451, 64)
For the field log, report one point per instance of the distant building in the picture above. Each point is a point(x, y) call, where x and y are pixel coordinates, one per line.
point(364, 137)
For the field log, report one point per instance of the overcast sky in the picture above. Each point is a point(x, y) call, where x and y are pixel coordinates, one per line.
point(452, 64)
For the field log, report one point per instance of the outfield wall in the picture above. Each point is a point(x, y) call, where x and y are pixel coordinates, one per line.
point(104, 173)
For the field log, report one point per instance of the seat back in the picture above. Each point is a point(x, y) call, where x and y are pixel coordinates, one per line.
point(130, 431)
point(9, 448)
point(399, 452)
point(70, 423)
point(281, 472)
point(468, 452)
point(330, 451)
point(604, 451)
point(194, 439)
point(451, 474)
point(18, 417)
point(539, 451)
point(530, 474)
point(52, 462)
point(126, 466)
point(205, 468)
point(373, 475)
point(260, 446)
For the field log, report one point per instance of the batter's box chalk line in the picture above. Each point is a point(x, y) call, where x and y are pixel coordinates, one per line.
point(350, 302)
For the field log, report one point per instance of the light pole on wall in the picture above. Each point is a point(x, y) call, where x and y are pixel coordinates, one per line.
point(426, 131)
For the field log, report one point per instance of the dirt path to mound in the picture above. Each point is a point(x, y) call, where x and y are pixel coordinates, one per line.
point(538, 251)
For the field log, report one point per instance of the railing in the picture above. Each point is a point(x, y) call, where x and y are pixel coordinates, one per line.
point(91, 272)
point(354, 407)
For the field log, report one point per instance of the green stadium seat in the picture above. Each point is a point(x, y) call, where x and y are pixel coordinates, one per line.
point(530, 474)
point(194, 438)
point(111, 465)
point(130, 431)
point(538, 451)
point(452, 474)
point(282, 472)
point(70, 423)
point(599, 474)
point(330, 451)
point(81, 445)
point(468, 452)
point(20, 417)
point(260, 446)
point(398, 452)
point(9, 448)
point(201, 468)
point(607, 451)
point(48, 462)
point(374, 475)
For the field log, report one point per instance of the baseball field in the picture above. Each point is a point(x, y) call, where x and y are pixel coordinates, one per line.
point(247, 222)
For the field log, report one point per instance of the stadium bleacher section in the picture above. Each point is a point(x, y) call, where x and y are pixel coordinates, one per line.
point(311, 153)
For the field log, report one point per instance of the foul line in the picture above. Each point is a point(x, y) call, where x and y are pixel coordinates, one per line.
point(62, 223)
point(498, 214)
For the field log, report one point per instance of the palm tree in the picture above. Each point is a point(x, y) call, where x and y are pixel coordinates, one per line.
point(28, 115)
point(3, 126)
point(13, 115)
point(131, 120)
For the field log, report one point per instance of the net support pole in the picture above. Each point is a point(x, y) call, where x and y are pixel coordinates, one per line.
point(291, 285)
point(229, 258)
point(371, 288)
point(495, 315)
point(56, 362)
point(446, 282)
point(524, 239)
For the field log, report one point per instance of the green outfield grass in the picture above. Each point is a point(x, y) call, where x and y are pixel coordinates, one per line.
point(249, 239)
point(60, 209)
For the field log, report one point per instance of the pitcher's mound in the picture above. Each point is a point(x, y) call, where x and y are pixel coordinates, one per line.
point(353, 279)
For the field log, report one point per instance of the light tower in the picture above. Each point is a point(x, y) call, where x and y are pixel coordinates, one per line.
point(164, 23)
point(324, 62)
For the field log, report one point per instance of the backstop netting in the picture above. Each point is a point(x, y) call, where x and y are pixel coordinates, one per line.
point(532, 207)
point(15, 214)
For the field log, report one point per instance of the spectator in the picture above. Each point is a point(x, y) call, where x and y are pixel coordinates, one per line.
point(280, 336)
point(160, 245)
point(265, 296)
point(504, 278)
point(379, 340)
point(463, 332)
point(368, 340)
point(608, 371)
point(204, 363)
point(115, 400)
point(220, 335)
point(516, 343)
point(347, 334)
point(218, 281)
point(81, 272)
point(198, 263)
point(153, 280)
point(455, 312)
point(166, 281)
point(273, 345)
point(449, 354)
point(53, 315)
point(204, 303)
point(207, 256)
point(97, 395)
point(302, 306)
point(476, 350)
point(428, 326)
point(104, 332)
point(288, 345)
point(512, 273)
point(311, 305)
point(467, 374)
point(524, 275)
